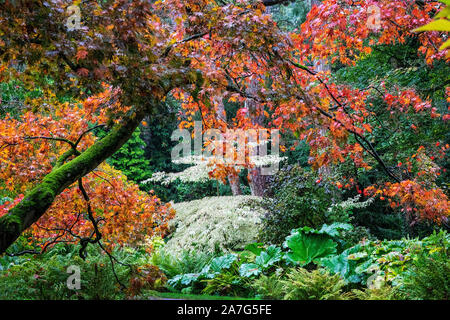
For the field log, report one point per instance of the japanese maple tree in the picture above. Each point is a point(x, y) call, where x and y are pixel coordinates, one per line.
point(128, 56)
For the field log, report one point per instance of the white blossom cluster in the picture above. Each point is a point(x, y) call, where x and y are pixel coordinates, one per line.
point(267, 160)
point(227, 223)
point(202, 166)
point(197, 173)
point(352, 203)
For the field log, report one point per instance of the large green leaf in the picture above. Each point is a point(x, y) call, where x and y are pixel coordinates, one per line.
point(255, 248)
point(269, 257)
point(183, 279)
point(264, 261)
point(223, 262)
point(334, 230)
point(308, 247)
point(208, 272)
point(249, 269)
point(342, 265)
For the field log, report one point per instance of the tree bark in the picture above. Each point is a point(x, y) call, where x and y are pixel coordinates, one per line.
point(233, 179)
point(256, 181)
point(41, 197)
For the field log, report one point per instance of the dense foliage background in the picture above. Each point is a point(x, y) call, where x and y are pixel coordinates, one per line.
point(315, 233)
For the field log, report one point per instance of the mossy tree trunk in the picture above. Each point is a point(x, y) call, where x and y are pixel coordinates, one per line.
point(40, 198)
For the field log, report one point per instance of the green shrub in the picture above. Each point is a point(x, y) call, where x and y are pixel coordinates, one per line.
point(429, 277)
point(301, 284)
point(384, 292)
point(297, 201)
point(45, 276)
point(130, 158)
point(228, 283)
point(356, 235)
point(185, 262)
point(389, 260)
point(269, 287)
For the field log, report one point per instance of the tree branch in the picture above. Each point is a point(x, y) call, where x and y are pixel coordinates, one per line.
point(41, 197)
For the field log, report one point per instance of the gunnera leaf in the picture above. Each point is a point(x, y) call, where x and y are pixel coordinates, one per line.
point(307, 248)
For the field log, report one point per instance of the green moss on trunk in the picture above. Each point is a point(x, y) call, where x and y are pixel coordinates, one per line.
point(41, 197)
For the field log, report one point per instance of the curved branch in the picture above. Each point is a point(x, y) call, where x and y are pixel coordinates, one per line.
point(41, 197)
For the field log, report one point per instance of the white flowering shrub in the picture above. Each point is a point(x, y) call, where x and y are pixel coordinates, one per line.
point(224, 223)
point(197, 173)
point(201, 166)
point(351, 203)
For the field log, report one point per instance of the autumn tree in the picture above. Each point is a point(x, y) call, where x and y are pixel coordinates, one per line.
point(126, 57)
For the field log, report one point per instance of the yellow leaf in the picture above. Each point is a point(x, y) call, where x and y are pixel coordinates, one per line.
point(445, 13)
point(436, 25)
point(445, 45)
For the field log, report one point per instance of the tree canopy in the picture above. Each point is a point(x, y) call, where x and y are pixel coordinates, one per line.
point(127, 57)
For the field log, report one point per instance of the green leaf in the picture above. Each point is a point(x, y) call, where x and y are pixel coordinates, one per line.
point(307, 248)
point(265, 260)
point(223, 262)
point(255, 248)
point(342, 265)
point(249, 269)
point(269, 257)
point(183, 279)
point(335, 229)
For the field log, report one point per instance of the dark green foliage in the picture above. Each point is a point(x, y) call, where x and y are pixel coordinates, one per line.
point(187, 262)
point(130, 159)
point(45, 276)
point(179, 191)
point(429, 277)
point(354, 236)
point(387, 224)
point(382, 222)
point(299, 155)
point(297, 201)
point(12, 96)
point(269, 287)
point(198, 190)
point(384, 292)
point(319, 284)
